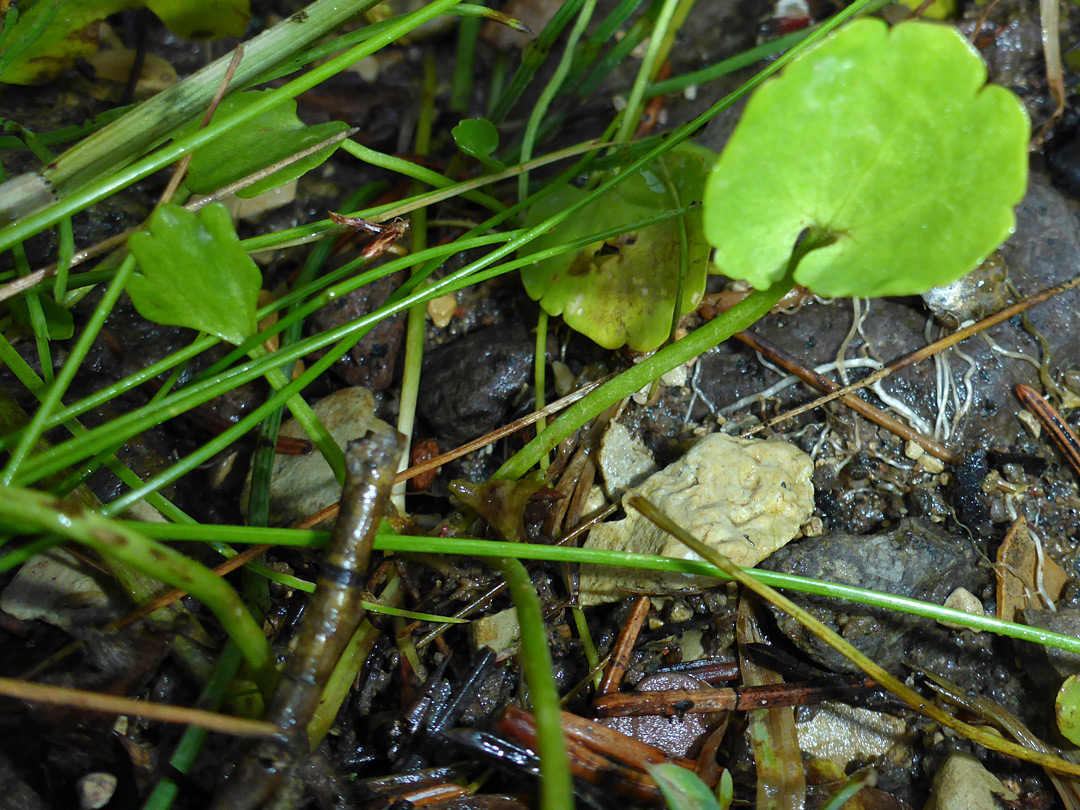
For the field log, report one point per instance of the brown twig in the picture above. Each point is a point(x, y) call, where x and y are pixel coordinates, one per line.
point(1062, 435)
point(489, 438)
point(624, 646)
point(182, 167)
point(921, 354)
point(677, 702)
point(857, 404)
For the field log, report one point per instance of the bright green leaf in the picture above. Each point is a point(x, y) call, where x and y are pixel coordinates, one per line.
point(623, 291)
point(203, 19)
point(476, 137)
point(682, 788)
point(891, 142)
point(49, 35)
point(1067, 709)
point(60, 324)
point(193, 272)
point(256, 144)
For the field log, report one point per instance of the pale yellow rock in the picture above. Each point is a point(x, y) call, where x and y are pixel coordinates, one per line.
point(498, 632)
point(842, 733)
point(962, 783)
point(744, 497)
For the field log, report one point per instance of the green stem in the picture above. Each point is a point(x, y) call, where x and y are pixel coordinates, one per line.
point(461, 86)
point(85, 196)
point(417, 315)
point(539, 374)
point(632, 113)
point(556, 786)
point(67, 373)
point(47, 513)
point(540, 108)
point(191, 743)
point(736, 319)
point(310, 538)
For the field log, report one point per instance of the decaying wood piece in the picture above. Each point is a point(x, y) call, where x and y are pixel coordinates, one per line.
point(331, 618)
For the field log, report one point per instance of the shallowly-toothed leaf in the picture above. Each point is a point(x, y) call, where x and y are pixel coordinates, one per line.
point(622, 291)
point(203, 19)
point(193, 272)
point(1067, 709)
point(49, 35)
point(476, 137)
point(256, 144)
point(891, 142)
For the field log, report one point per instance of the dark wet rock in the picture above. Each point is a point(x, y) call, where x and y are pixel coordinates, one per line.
point(468, 386)
point(370, 363)
point(1045, 250)
point(1048, 666)
point(918, 560)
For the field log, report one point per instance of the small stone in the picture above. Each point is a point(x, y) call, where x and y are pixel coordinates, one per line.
point(1030, 423)
point(95, 790)
point(962, 783)
point(744, 497)
point(441, 310)
point(927, 463)
point(841, 733)
point(914, 450)
point(624, 460)
point(302, 485)
point(965, 601)
point(674, 735)
point(498, 632)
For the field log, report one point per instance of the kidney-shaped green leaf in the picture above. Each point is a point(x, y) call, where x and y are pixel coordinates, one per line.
point(622, 290)
point(1067, 709)
point(193, 272)
point(476, 136)
point(256, 144)
point(888, 140)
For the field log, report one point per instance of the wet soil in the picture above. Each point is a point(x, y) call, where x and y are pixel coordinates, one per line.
point(885, 520)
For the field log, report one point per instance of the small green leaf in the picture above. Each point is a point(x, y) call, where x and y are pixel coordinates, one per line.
point(1067, 709)
point(203, 19)
point(682, 788)
point(193, 272)
point(623, 291)
point(476, 137)
point(889, 141)
point(49, 35)
point(256, 144)
point(61, 325)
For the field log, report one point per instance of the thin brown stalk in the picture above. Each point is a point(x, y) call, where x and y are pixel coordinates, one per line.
point(858, 404)
point(624, 646)
point(211, 108)
point(921, 354)
point(83, 700)
point(845, 648)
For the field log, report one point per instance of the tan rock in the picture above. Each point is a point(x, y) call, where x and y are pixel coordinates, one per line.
point(744, 497)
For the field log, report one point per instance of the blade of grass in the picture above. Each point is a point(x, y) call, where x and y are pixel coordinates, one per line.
point(461, 84)
point(191, 743)
point(67, 373)
point(311, 538)
point(649, 64)
point(556, 788)
point(93, 192)
point(534, 55)
point(540, 108)
point(21, 506)
point(833, 639)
